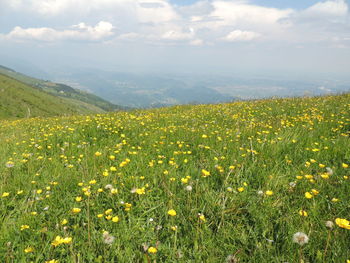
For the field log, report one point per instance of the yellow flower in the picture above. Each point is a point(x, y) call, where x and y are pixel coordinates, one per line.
point(59, 240)
point(78, 198)
point(202, 218)
point(344, 165)
point(76, 210)
point(308, 195)
point(315, 192)
point(98, 154)
point(172, 212)
point(343, 223)
point(108, 211)
point(240, 189)
point(303, 213)
point(51, 261)
point(5, 194)
point(64, 222)
point(152, 250)
point(205, 173)
point(29, 250)
point(115, 219)
point(269, 192)
point(24, 227)
point(140, 191)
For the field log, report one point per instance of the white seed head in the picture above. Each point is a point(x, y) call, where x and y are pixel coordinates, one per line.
point(329, 224)
point(300, 238)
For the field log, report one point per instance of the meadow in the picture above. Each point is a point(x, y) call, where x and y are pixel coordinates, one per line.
point(254, 181)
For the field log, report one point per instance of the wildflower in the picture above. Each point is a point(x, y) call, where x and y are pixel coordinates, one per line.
point(172, 212)
point(51, 261)
point(269, 193)
point(10, 164)
point(140, 191)
point(59, 240)
point(205, 173)
point(152, 250)
point(24, 227)
point(343, 223)
point(202, 217)
point(344, 165)
point(98, 154)
point(78, 198)
point(64, 222)
point(300, 238)
point(5, 194)
point(308, 195)
point(76, 210)
point(240, 189)
point(303, 213)
point(115, 219)
point(29, 250)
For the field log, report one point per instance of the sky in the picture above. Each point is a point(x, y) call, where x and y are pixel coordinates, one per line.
point(180, 36)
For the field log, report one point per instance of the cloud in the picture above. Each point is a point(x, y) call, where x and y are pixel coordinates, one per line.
point(178, 35)
point(81, 31)
point(238, 35)
point(335, 8)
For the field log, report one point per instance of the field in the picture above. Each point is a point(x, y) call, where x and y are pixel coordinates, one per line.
point(208, 183)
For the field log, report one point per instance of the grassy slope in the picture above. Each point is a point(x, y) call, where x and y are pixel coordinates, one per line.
point(61, 90)
point(18, 100)
point(249, 148)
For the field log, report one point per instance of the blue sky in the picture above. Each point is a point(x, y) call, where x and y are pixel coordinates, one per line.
point(310, 36)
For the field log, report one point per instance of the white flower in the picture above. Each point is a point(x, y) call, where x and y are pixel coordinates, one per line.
point(260, 192)
point(292, 184)
point(300, 238)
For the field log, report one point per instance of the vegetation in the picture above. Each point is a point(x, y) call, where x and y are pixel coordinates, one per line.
point(61, 90)
point(251, 181)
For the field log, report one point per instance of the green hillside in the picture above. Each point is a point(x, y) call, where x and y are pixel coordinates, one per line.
point(249, 181)
point(61, 90)
point(18, 100)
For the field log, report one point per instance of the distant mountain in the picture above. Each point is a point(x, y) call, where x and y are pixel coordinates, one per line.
point(143, 90)
point(76, 96)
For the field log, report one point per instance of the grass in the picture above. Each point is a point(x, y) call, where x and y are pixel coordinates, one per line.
point(237, 176)
point(18, 100)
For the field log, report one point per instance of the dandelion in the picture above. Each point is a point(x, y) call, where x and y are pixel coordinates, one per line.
point(76, 210)
point(303, 213)
point(308, 195)
point(172, 212)
point(29, 250)
point(115, 219)
point(188, 188)
point(329, 224)
point(108, 238)
point(152, 250)
point(300, 238)
point(343, 223)
point(269, 193)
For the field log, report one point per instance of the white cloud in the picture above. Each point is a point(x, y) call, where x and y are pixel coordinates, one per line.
point(238, 35)
point(77, 32)
point(329, 8)
point(178, 35)
point(240, 12)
